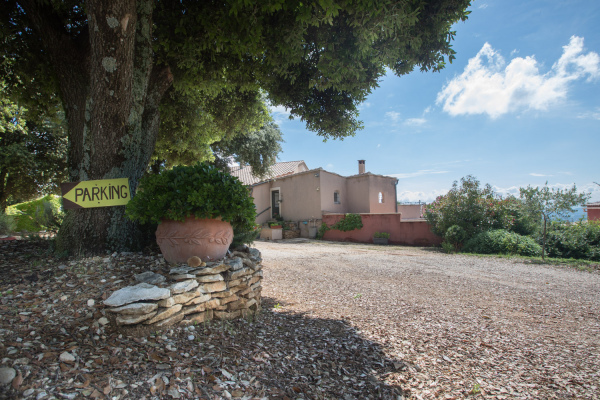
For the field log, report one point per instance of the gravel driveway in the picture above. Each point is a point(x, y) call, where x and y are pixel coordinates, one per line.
point(454, 326)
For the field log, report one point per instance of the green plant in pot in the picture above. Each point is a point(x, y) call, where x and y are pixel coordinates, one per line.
point(381, 237)
point(196, 208)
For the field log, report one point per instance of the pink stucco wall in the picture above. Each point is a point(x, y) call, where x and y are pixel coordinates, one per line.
point(415, 233)
point(593, 214)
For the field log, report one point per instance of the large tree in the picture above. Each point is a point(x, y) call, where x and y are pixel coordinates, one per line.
point(117, 64)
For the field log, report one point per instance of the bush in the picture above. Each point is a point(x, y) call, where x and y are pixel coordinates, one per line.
point(472, 207)
point(42, 214)
point(578, 240)
point(456, 236)
point(244, 236)
point(384, 235)
point(200, 190)
point(7, 224)
point(501, 241)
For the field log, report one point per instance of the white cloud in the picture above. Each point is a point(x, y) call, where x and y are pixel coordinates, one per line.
point(393, 115)
point(280, 113)
point(590, 115)
point(415, 121)
point(418, 173)
point(483, 6)
point(413, 197)
point(489, 86)
point(379, 145)
point(536, 174)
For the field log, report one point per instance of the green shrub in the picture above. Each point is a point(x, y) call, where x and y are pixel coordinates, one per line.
point(244, 237)
point(7, 224)
point(448, 248)
point(501, 241)
point(473, 207)
point(42, 214)
point(577, 240)
point(456, 236)
point(349, 222)
point(384, 235)
point(200, 190)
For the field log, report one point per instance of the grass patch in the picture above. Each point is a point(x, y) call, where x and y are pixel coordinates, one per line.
point(582, 265)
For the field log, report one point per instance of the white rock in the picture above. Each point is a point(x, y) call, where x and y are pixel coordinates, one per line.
point(103, 321)
point(67, 357)
point(132, 294)
point(7, 375)
point(91, 303)
point(184, 286)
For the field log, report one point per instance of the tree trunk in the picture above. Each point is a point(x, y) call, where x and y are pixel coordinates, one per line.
point(110, 90)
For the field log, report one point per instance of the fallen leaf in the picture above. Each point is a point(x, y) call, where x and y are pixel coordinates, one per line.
point(107, 389)
point(17, 381)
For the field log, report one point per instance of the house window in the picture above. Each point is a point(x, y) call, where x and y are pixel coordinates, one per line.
point(380, 197)
point(336, 197)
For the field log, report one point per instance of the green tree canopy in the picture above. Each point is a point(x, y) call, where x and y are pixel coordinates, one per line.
point(119, 67)
point(32, 154)
point(551, 202)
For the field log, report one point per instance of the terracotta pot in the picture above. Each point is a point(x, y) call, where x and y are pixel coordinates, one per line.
point(208, 239)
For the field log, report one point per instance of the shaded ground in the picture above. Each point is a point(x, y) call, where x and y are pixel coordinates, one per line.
point(49, 307)
point(463, 326)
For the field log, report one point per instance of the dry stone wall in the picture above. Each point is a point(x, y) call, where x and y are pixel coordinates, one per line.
point(192, 293)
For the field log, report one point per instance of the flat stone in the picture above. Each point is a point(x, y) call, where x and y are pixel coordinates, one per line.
point(227, 316)
point(164, 313)
point(186, 297)
point(184, 286)
point(250, 303)
point(238, 304)
point(216, 269)
point(225, 293)
point(235, 263)
point(194, 309)
point(183, 277)
point(248, 263)
point(241, 254)
point(209, 278)
point(7, 375)
point(198, 318)
point(181, 270)
point(168, 302)
point(239, 288)
point(169, 321)
point(66, 357)
point(140, 292)
point(254, 254)
point(150, 277)
point(229, 299)
point(133, 319)
point(203, 298)
point(214, 287)
point(239, 273)
point(134, 308)
point(254, 280)
point(211, 304)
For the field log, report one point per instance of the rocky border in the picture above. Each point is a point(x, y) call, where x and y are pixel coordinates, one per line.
point(191, 293)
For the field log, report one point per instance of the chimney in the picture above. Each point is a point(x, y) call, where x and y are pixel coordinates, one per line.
point(361, 166)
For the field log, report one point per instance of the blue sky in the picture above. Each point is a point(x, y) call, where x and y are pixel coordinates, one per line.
point(519, 106)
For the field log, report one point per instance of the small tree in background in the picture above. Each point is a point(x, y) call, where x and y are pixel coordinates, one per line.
point(469, 206)
point(551, 203)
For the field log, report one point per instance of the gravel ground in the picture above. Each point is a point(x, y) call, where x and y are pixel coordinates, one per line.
point(453, 326)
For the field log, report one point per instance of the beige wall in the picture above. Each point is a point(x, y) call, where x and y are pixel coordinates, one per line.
point(306, 196)
point(384, 185)
point(358, 193)
point(329, 184)
point(300, 197)
point(262, 200)
point(410, 211)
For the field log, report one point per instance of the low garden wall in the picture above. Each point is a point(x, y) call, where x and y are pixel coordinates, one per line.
point(413, 233)
point(192, 293)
